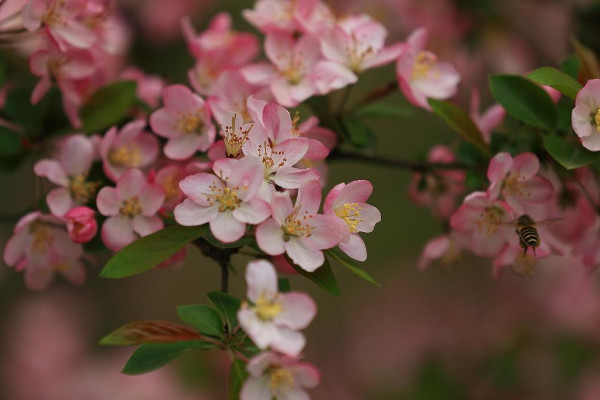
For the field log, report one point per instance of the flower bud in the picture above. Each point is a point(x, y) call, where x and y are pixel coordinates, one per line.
point(81, 224)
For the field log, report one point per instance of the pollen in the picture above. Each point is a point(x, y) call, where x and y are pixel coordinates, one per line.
point(171, 187)
point(271, 159)
point(127, 156)
point(297, 226)
point(490, 220)
point(350, 213)
point(42, 238)
point(235, 137)
point(424, 63)
point(281, 381)
point(597, 119)
point(189, 123)
point(512, 185)
point(131, 207)
point(267, 308)
point(227, 197)
point(81, 190)
point(357, 54)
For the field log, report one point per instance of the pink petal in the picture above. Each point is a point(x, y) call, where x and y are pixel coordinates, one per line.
point(77, 155)
point(190, 213)
point(369, 216)
point(247, 174)
point(309, 197)
point(304, 253)
point(298, 310)
point(354, 247)
point(145, 225)
point(117, 232)
point(59, 201)
point(226, 228)
point(261, 279)
point(527, 165)
point(288, 342)
point(74, 33)
point(433, 250)
point(38, 277)
point(198, 185)
point(151, 198)
point(329, 76)
point(256, 389)
point(305, 375)
point(293, 178)
point(108, 202)
point(52, 170)
point(15, 248)
point(281, 207)
point(40, 90)
point(253, 212)
point(164, 122)
point(75, 272)
point(278, 122)
point(354, 192)
point(269, 237)
point(499, 167)
point(385, 56)
point(259, 363)
point(183, 147)
point(180, 98)
point(327, 231)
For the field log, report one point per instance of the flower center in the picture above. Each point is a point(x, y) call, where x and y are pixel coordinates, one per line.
point(424, 63)
point(81, 190)
point(234, 138)
point(294, 71)
point(131, 207)
point(490, 220)
point(190, 123)
point(267, 308)
point(357, 54)
point(271, 159)
point(597, 119)
point(281, 381)
point(171, 187)
point(53, 15)
point(350, 213)
point(42, 238)
point(226, 196)
point(127, 155)
point(513, 186)
point(297, 226)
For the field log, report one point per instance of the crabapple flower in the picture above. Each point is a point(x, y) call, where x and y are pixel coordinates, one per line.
point(81, 224)
point(489, 119)
point(484, 222)
point(168, 178)
point(41, 247)
point(298, 230)
point(290, 77)
point(226, 200)
point(235, 133)
point(522, 263)
point(61, 19)
point(185, 121)
point(273, 319)
point(348, 204)
point(278, 15)
point(279, 377)
point(586, 115)
point(131, 209)
point(517, 180)
point(422, 75)
point(69, 171)
point(149, 87)
point(129, 147)
point(446, 248)
point(355, 44)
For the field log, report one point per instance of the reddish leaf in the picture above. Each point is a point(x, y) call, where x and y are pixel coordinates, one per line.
point(149, 332)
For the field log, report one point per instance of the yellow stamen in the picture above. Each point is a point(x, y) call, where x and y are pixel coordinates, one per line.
point(81, 190)
point(42, 238)
point(267, 308)
point(235, 137)
point(171, 187)
point(424, 63)
point(350, 213)
point(227, 197)
point(597, 119)
point(356, 55)
point(270, 158)
point(490, 220)
point(127, 156)
point(281, 381)
point(297, 226)
point(131, 207)
point(190, 123)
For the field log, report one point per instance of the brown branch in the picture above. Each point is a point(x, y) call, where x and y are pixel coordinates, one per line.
point(395, 163)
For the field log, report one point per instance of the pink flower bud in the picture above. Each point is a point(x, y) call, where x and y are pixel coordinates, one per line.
point(81, 224)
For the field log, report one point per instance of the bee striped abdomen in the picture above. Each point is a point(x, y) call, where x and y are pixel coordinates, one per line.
point(529, 236)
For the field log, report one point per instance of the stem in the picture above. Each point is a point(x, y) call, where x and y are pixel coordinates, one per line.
point(224, 264)
point(344, 101)
point(389, 162)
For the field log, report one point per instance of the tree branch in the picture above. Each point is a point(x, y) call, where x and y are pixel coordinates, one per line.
point(395, 163)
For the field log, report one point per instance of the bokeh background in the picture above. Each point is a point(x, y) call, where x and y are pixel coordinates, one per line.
point(451, 332)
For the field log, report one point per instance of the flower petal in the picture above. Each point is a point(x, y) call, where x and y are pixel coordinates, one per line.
point(269, 237)
point(298, 310)
point(226, 228)
point(189, 213)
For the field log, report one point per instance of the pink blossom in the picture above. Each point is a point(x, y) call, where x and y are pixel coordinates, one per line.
point(290, 75)
point(438, 191)
point(299, 230)
point(226, 201)
point(348, 204)
point(217, 49)
point(131, 209)
point(586, 115)
point(319, 140)
point(149, 87)
point(81, 224)
point(446, 248)
point(168, 178)
point(485, 222)
point(63, 68)
point(235, 133)
point(61, 19)
point(129, 147)
point(185, 121)
point(422, 75)
point(273, 319)
point(517, 180)
point(353, 45)
point(278, 15)
point(69, 171)
point(489, 119)
point(523, 263)
point(41, 247)
point(278, 377)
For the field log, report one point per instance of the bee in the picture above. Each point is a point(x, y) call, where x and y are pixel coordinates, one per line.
point(527, 231)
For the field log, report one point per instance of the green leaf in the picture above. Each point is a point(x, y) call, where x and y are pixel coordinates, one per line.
point(10, 142)
point(569, 155)
point(460, 122)
point(149, 357)
point(359, 133)
point(349, 263)
point(210, 238)
point(237, 376)
point(227, 306)
point(204, 318)
point(383, 110)
point(284, 285)
point(149, 332)
point(107, 106)
point(524, 100)
point(322, 276)
point(571, 66)
point(149, 251)
point(556, 79)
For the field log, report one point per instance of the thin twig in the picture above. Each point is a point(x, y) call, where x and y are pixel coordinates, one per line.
point(395, 163)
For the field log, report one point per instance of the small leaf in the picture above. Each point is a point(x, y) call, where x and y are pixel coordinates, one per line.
point(349, 263)
point(569, 155)
point(571, 66)
point(460, 122)
point(149, 357)
point(359, 133)
point(322, 276)
point(227, 306)
point(204, 318)
point(237, 376)
point(149, 251)
point(589, 67)
point(284, 285)
point(149, 332)
point(10, 142)
point(383, 110)
point(108, 106)
point(524, 100)
point(556, 79)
